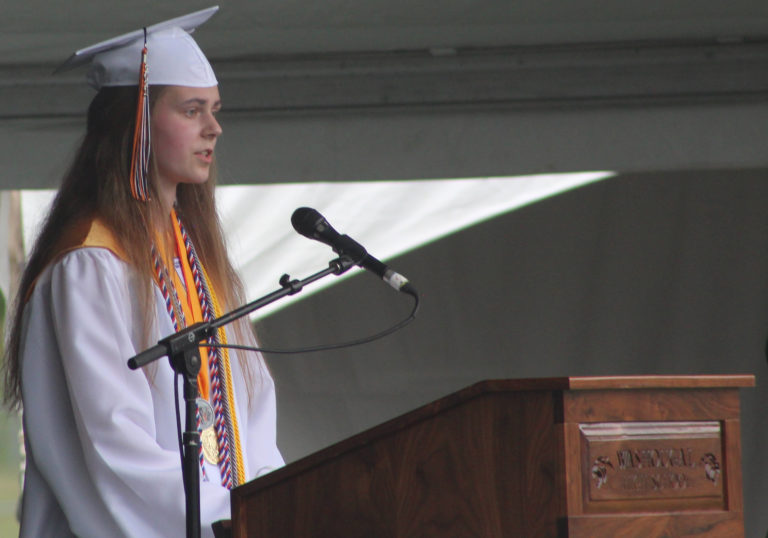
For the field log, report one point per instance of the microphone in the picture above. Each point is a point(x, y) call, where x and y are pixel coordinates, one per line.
point(310, 223)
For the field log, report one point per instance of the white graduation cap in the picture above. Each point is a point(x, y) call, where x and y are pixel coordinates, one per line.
point(173, 57)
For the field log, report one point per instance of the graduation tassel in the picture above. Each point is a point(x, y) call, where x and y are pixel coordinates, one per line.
point(141, 141)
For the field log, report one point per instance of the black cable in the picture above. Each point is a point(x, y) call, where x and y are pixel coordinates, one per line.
point(326, 347)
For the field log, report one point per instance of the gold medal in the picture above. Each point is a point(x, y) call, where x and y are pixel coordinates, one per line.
point(210, 446)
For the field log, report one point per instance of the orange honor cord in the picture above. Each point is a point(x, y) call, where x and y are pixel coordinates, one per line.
point(182, 308)
point(191, 305)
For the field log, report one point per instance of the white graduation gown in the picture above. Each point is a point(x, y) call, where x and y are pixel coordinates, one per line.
point(101, 440)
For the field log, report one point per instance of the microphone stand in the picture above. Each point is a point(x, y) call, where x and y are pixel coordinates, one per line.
point(182, 350)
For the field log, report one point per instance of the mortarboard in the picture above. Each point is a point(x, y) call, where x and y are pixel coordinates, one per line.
point(161, 54)
point(173, 55)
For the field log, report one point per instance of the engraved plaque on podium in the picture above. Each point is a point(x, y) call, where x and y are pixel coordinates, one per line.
point(669, 461)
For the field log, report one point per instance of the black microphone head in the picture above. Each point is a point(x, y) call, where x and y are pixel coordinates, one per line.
point(303, 220)
point(310, 223)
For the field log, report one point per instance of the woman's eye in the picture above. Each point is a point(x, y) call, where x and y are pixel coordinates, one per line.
point(190, 113)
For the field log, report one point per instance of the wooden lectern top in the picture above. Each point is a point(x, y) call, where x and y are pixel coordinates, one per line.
point(620, 382)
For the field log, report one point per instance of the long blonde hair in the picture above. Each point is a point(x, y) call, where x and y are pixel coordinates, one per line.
point(97, 186)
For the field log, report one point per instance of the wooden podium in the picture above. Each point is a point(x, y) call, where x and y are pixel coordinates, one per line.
point(579, 457)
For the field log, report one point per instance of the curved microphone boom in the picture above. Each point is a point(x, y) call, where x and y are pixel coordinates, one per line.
point(310, 223)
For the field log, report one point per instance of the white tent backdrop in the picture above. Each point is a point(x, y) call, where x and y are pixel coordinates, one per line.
point(388, 217)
